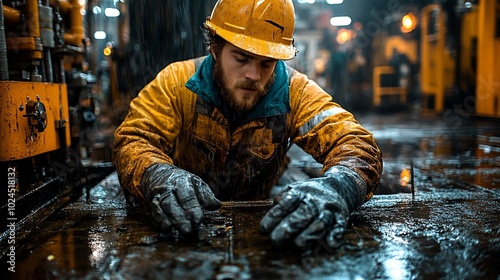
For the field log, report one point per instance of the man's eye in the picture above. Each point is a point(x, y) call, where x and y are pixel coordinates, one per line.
point(242, 60)
point(266, 65)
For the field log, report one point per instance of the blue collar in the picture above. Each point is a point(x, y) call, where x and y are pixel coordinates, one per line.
point(275, 102)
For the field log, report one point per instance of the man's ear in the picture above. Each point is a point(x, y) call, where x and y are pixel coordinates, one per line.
point(212, 48)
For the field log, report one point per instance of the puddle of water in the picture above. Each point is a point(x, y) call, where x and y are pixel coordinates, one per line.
point(465, 158)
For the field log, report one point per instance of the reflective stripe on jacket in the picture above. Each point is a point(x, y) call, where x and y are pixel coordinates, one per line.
point(177, 119)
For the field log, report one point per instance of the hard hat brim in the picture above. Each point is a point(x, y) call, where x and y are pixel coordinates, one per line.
point(254, 45)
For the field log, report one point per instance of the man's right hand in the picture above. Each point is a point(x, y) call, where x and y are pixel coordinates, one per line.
point(177, 197)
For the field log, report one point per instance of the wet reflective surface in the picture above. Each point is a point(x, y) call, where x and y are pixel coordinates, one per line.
point(448, 229)
point(464, 149)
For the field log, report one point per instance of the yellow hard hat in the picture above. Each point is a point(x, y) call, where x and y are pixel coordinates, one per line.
point(261, 27)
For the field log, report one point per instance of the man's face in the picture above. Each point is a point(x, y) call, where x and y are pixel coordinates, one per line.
point(243, 77)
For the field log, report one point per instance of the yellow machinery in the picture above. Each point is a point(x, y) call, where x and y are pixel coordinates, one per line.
point(43, 61)
point(380, 90)
point(479, 53)
point(437, 64)
point(45, 101)
point(35, 119)
point(394, 58)
point(403, 46)
point(46, 109)
point(488, 59)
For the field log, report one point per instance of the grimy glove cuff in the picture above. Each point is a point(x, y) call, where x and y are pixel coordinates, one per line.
point(348, 184)
point(312, 209)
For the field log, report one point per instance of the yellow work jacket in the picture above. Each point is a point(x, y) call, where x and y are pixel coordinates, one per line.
point(177, 119)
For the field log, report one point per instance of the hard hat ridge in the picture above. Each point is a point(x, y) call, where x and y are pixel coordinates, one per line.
point(262, 27)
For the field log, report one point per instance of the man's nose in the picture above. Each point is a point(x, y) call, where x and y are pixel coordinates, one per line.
point(253, 71)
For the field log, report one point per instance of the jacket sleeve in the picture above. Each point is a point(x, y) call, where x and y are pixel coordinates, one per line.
point(147, 135)
point(331, 134)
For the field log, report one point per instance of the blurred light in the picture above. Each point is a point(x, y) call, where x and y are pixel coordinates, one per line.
point(333, 2)
point(100, 35)
point(83, 12)
point(468, 5)
point(319, 65)
point(358, 25)
point(340, 21)
point(96, 10)
point(306, 1)
point(343, 35)
point(405, 177)
point(111, 12)
point(408, 23)
point(107, 51)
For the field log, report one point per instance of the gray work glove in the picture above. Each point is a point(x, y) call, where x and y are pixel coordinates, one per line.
point(316, 208)
point(177, 197)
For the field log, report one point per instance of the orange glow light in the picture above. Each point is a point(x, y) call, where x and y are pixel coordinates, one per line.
point(405, 177)
point(408, 23)
point(343, 35)
point(107, 51)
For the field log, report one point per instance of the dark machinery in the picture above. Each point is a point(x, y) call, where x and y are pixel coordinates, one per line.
point(46, 104)
point(49, 96)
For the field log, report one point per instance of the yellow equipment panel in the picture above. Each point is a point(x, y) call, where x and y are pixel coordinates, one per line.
point(437, 64)
point(379, 90)
point(18, 138)
point(488, 53)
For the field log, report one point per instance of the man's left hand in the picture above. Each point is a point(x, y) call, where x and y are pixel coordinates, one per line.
point(310, 210)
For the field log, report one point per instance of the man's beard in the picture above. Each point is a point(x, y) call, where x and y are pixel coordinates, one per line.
point(230, 97)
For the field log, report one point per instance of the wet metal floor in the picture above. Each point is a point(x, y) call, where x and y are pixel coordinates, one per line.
point(449, 228)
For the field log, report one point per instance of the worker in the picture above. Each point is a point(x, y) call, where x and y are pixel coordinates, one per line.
point(218, 128)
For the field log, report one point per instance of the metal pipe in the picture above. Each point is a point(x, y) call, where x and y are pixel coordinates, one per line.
point(47, 37)
point(11, 16)
point(48, 65)
point(33, 20)
point(4, 67)
point(64, 6)
point(76, 35)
